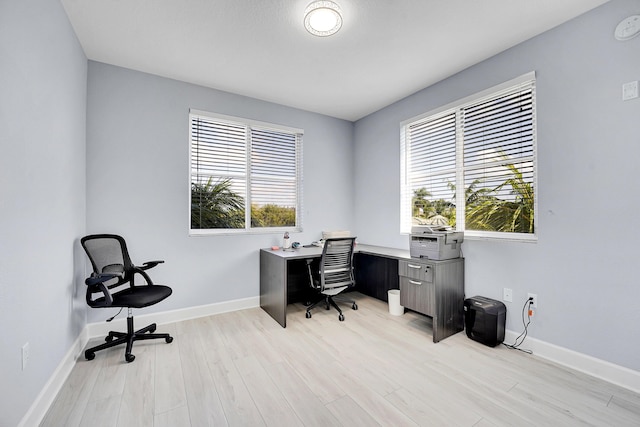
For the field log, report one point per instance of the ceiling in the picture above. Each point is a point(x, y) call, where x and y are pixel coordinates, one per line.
point(385, 51)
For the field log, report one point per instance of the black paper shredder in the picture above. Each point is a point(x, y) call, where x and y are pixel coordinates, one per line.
point(484, 320)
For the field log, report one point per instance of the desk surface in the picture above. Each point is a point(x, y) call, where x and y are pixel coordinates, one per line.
point(360, 248)
point(382, 251)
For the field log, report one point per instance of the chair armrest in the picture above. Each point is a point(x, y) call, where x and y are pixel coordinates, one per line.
point(97, 281)
point(139, 269)
point(150, 264)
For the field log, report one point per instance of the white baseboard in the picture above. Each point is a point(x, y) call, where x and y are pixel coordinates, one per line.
point(40, 406)
point(45, 399)
point(615, 374)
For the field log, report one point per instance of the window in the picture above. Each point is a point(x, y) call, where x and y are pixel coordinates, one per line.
point(245, 175)
point(472, 165)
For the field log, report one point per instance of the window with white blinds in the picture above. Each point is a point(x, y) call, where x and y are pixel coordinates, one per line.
point(244, 175)
point(472, 165)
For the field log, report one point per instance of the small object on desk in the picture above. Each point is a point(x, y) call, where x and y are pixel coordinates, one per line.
point(309, 246)
point(275, 248)
point(295, 245)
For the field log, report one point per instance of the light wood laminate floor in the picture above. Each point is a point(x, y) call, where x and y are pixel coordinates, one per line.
point(243, 369)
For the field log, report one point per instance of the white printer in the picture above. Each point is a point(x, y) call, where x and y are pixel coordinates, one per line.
point(434, 242)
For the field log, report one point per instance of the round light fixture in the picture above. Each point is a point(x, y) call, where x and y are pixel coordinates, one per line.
point(323, 18)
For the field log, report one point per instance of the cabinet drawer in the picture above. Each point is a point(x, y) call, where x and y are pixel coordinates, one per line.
point(417, 295)
point(416, 270)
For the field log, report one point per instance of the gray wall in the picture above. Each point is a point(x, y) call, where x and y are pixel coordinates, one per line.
point(138, 181)
point(583, 265)
point(42, 194)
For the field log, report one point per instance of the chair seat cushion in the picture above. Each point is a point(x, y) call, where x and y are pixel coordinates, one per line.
point(140, 296)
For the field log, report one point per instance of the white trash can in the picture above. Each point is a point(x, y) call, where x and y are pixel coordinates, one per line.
point(395, 309)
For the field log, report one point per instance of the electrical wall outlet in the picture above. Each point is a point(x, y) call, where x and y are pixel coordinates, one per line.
point(534, 304)
point(25, 355)
point(630, 90)
point(507, 295)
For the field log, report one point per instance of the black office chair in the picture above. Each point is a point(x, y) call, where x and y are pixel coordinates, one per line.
point(334, 275)
point(112, 268)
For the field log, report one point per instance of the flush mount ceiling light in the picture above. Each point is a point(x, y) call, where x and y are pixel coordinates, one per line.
point(323, 18)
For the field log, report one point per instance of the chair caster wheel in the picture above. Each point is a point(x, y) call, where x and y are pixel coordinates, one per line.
point(152, 329)
point(108, 338)
point(354, 306)
point(129, 358)
point(89, 356)
point(169, 340)
point(341, 317)
point(308, 315)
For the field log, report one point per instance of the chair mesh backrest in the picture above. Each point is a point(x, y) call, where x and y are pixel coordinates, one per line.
point(108, 253)
point(336, 264)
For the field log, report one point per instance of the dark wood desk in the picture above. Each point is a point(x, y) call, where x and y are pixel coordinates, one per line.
point(284, 280)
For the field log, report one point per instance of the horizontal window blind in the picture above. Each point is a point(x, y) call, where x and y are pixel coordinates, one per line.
point(432, 149)
point(431, 159)
point(217, 149)
point(256, 167)
point(498, 142)
point(473, 165)
point(273, 168)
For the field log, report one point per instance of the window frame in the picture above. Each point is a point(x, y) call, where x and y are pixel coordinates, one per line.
point(249, 124)
point(406, 194)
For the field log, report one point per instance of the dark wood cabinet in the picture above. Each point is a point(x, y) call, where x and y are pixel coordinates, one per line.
point(375, 275)
point(436, 289)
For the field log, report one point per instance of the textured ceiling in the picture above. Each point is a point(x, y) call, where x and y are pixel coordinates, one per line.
point(386, 49)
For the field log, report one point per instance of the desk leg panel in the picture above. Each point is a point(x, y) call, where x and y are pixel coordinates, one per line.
point(449, 317)
point(273, 286)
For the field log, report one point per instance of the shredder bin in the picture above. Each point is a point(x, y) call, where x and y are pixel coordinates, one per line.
point(485, 320)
